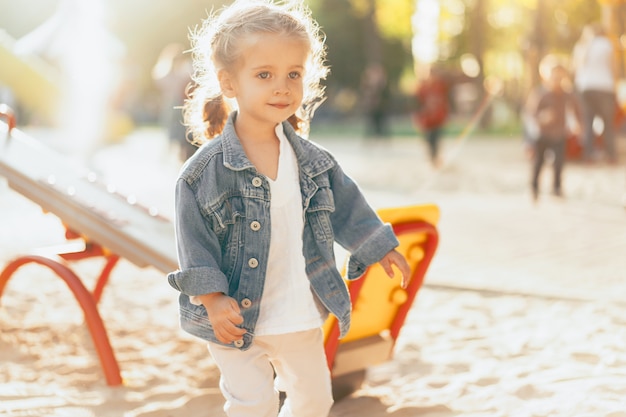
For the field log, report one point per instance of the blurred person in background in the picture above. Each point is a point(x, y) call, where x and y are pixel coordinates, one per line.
point(432, 111)
point(172, 76)
point(594, 69)
point(375, 90)
point(552, 112)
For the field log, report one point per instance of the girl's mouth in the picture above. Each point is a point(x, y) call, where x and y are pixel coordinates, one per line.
point(280, 105)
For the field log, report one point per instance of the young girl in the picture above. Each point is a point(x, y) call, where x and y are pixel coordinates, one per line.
point(258, 209)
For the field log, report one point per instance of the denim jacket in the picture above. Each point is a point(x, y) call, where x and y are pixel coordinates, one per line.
point(223, 230)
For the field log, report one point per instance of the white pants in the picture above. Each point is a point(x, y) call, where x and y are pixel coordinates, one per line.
point(247, 377)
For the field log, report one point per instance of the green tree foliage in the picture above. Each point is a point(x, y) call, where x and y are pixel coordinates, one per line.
point(514, 27)
point(508, 38)
point(344, 41)
point(359, 32)
point(394, 19)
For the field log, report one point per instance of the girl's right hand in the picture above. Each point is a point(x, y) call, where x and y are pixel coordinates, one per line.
point(224, 315)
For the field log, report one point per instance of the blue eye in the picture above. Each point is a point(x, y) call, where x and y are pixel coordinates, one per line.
point(294, 75)
point(264, 75)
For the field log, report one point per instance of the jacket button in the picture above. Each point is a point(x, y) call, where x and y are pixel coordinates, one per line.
point(257, 182)
point(246, 303)
point(256, 226)
point(238, 343)
point(253, 263)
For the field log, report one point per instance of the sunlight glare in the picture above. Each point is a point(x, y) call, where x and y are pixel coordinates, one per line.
point(87, 60)
point(425, 22)
point(503, 17)
point(470, 65)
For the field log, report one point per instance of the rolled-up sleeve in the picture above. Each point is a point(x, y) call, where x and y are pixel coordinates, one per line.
point(371, 251)
point(199, 251)
point(357, 226)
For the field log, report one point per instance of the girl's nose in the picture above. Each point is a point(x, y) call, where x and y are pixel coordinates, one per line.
point(281, 87)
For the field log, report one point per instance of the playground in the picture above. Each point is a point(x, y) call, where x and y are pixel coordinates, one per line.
point(515, 306)
point(521, 306)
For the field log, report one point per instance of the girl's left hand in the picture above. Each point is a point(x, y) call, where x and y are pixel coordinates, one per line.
point(395, 258)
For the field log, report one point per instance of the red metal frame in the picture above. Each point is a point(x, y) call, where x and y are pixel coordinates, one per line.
point(430, 246)
point(87, 300)
point(6, 111)
point(332, 341)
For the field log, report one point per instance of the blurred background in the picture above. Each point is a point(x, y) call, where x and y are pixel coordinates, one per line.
point(102, 55)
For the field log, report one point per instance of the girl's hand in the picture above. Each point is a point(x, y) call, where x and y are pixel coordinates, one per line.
point(395, 258)
point(224, 315)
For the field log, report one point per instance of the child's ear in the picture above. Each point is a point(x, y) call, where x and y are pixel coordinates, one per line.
point(226, 83)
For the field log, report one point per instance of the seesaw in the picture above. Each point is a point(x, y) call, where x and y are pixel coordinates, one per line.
point(109, 224)
point(113, 226)
point(380, 305)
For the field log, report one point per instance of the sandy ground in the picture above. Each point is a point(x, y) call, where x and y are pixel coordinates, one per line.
point(521, 315)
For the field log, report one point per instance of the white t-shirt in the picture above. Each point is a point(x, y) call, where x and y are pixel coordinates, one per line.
point(287, 304)
point(595, 69)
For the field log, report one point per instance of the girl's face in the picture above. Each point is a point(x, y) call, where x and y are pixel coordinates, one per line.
point(268, 80)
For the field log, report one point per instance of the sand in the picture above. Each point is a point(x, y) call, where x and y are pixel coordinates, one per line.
point(521, 314)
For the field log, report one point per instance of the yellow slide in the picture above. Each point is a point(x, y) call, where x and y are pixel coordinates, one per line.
point(37, 87)
point(379, 304)
point(35, 83)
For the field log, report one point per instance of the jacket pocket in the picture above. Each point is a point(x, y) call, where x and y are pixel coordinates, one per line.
point(226, 220)
point(321, 205)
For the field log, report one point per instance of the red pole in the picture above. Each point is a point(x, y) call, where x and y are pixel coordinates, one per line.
point(88, 305)
point(104, 276)
point(6, 111)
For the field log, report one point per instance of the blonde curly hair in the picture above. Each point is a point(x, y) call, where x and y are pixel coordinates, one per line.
point(216, 45)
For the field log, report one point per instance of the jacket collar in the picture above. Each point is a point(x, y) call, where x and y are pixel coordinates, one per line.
point(234, 156)
point(311, 159)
